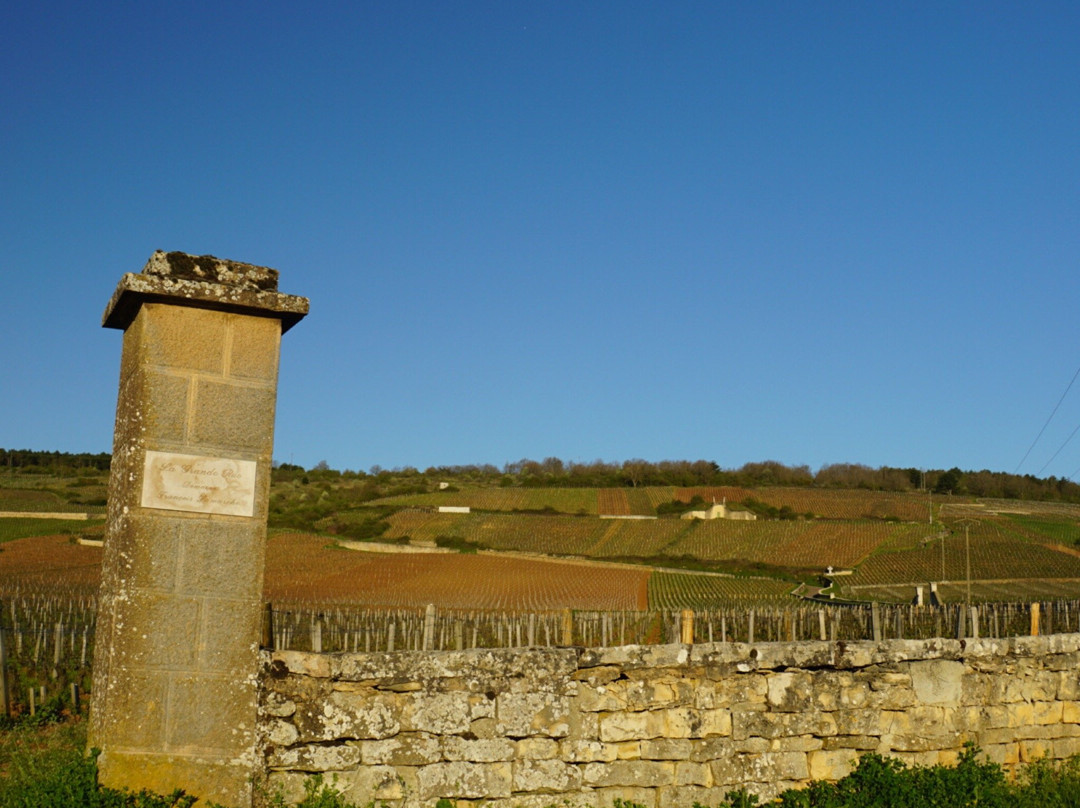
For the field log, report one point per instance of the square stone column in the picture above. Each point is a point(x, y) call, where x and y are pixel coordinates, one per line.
point(176, 653)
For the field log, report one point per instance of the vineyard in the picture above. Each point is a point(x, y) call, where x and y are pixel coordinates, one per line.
point(538, 566)
point(563, 500)
point(999, 551)
point(301, 567)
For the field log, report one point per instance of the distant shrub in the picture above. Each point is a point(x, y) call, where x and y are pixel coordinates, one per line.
point(678, 506)
point(457, 543)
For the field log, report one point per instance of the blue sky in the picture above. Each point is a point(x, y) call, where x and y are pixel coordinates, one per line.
point(814, 233)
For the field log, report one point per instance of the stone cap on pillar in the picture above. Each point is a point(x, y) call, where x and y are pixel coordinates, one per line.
point(203, 281)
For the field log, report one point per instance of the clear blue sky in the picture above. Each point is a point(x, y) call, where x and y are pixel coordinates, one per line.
point(808, 232)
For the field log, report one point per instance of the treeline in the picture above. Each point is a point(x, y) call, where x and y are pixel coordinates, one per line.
point(553, 472)
point(32, 461)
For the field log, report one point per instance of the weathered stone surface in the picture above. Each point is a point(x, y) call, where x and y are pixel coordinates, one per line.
point(464, 780)
point(763, 768)
point(579, 736)
point(937, 681)
point(642, 773)
point(175, 694)
point(315, 758)
point(203, 281)
point(519, 715)
point(492, 750)
point(402, 750)
point(536, 748)
point(546, 776)
point(834, 764)
point(341, 715)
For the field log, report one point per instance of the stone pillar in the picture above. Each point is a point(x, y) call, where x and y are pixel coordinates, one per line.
point(176, 653)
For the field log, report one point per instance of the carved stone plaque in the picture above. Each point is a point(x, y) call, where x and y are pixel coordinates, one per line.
point(181, 482)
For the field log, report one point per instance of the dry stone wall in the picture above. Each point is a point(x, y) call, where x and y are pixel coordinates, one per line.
point(659, 725)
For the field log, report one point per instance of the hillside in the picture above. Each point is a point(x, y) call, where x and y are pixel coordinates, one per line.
point(1016, 549)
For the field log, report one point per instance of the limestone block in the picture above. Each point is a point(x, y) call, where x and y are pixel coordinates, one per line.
point(364, 783)
point(578, 751)
point(639, 773)
point(600, 698)
point(483, 728)
point(487, 750)
point(601, 675)
point(1020, 714)
point(277, 705)
point(628, 750)
point(831, 764)
point(302, 663)
point(1041, 686)
point(702, 751)
point(666, 749)
point(639, 796)
point(752, 745)
point(520, 715)
point(681, 722)
point(712, 722)
point(185, 338)
point(665, 656)
point(616, 727)
point(581, 799)
point(584, 726)
point(461, 780)
point(862, 743)
point(858, 722)
point(666, 692)
point(923, 743)
point(254, 349)
point(1064, 748)
point(438, 713)
point(165, 404)
point(688, 773)
point(762, 768)
point(1070, 712)
point(315, 758)
point(797, 743)
point(282, 733)
point(545, 776)
point(937, 681)
point(214, 425)
point(794, 655)
point(1003, 754)
point(688, 795)
point(776, 725)
point(739, 691)
point(406, 749)
point(216, 717)
point(344, 716)
point(790, 691)
point(917, 721)
point(536, 749)
point(1047, 712)
point(1069, 684)
point(981, 718)
point(1034, 750)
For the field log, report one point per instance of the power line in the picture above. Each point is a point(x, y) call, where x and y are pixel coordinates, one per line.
point(1048, 420)
point(1062, 446)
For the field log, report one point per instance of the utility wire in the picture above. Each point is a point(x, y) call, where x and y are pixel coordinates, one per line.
point(1048, 420)
point(1062, 446)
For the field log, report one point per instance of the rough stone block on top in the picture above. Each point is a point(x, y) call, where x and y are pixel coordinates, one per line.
point(203, 281)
